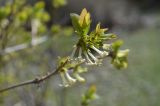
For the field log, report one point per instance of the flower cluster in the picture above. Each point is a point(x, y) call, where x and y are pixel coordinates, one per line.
point(70, 73)
point(91, 43)
point(91, 49)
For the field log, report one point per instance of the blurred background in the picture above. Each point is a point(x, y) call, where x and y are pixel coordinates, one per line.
point(34, 32)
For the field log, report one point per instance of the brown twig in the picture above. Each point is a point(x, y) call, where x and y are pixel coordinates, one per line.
point(36, 80)
point(41, 79)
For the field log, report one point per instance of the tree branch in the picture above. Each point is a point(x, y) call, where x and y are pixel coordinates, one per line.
point(45, 77)
point(36, 80)
point(35, 42)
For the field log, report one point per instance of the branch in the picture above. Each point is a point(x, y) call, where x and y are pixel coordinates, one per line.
point(36, 80)
point(45, 77)
point(35, 42)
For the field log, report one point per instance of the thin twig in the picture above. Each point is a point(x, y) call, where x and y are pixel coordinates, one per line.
point(45, 77)
point(36, 80)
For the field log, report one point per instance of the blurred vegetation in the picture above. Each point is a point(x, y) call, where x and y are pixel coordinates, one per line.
point(89, 95)
point(136, 86)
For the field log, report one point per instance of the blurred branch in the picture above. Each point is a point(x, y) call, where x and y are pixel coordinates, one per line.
point(34, 42)
point(37, 80)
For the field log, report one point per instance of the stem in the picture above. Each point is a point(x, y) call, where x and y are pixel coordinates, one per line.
point(22, 46)
point(36, 80)
point(87, 57)
point(73, 52)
